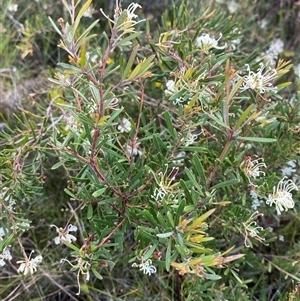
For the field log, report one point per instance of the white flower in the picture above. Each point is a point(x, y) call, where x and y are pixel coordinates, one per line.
point(63, 234)
point(260, 82)
point(5, 255)
point(263, 23)
point(130, 10)
point(83, 266)
point(190, 138)
point(287, 171)
point(124, 126)
point(146, 267)
point(205, 43)
point(252, 168)
point(297, 70)
point(170, 87)
point(263, 120)
point(178, 100)
point(3, 231)
point(179, 158)
point(89, 12)
point(281, 237)
point(165, 185)
point(252, 229)
point(276, 47)
point(271, 55)
point(12, 8)
point(132, 149)
point(21, 226)
point(255, 201)
point(29, 265)
point(232, 6)
point(281, 197)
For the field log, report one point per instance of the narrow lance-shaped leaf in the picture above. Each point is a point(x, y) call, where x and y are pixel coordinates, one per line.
point(168, 255)
point(201, 218)
point(244, 116)
point(142, 67)
point(130, 61)
point(82, 53)
point(79, 16)
point(86, 32)
point(258, 139)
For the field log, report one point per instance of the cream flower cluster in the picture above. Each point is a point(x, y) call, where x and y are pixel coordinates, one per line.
point(206, 43)
point(261, 81)
point(29, 265)
point(82, 265)
point(146, 267)
point(251, 168)
point(64, 235)
point(281, 196)
point(5, 255)
point(124, 126)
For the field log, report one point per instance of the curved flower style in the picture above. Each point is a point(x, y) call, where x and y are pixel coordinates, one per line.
point(261, 82)
point(252, 168)
point(252, 229)
point(165, 185)
point(205, 43)
point(130, 10)
point(63, 234)
point(146, 267)
point(83, 266)
point(281, 197)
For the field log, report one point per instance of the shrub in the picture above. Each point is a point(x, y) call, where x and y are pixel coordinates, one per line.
point(179, 151)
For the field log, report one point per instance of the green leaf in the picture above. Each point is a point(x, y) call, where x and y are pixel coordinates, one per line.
point(224, 184)
point(179, 211)
point(124, 41)
point(258, 139)
point(85, 33)
point(192, 179)
point(90, 211)
point(170, 126)
point(98, 192)
point(96, 273)
point(183, 251)
point(168, 255)
point(199, 168)
point(244, 116)
point(59, 164)
point(149, 217)
point(55, 27)
point(284, 85)
point(79, 16)
point(212, 277)
point(141, 67)
point(150, 251)
point(186, 192)
point(165, 235)
point(130, 61)
point(219, 121)
point(170, 219)
point(235, 88)
point(236, 276)
point(67, 191)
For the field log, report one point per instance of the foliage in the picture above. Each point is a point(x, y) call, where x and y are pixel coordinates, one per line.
point(177, 148)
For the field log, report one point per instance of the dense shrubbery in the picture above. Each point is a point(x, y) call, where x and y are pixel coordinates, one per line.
point(171, 154)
